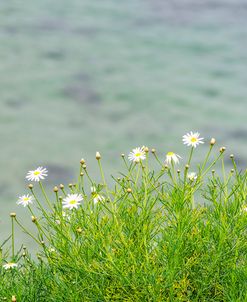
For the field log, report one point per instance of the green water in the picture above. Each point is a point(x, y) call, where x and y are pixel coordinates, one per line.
point(81, 76)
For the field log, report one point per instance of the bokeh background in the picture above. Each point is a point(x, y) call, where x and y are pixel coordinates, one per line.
point(82, 76)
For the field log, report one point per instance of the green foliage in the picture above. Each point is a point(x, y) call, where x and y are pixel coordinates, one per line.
point(155, 235)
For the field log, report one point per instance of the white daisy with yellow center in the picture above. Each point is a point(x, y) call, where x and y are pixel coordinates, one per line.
point(137, 154)
point(192, 139)
point(72, 201)
point(25, 200)
point(172, 157)
point(10, 265)
point(96, 196)
point(192, 176)
point(37, 175)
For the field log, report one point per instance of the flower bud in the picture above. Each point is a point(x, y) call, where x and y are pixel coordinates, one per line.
point(212, 141)
point(34, 219)
point(232, 156)
point(146, 149)
point(222, 149)
point(13, 299)
point(98, 156)
point(153, 150)
point(30, 186)
point(55, 189)
point(70, 185)
point(61, 186)
point(84, 166)
point(129, 190)
point(187, 166)
point(79, 230)
point(12, 215)
point(81, 174)
point(82, 161)
point(123, 155)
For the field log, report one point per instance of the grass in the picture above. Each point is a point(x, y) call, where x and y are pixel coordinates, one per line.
point(155, 234)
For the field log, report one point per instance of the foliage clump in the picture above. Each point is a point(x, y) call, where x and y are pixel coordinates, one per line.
point(156, 233)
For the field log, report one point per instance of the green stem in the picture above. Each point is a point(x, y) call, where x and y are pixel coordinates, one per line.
point(13, 237)
point(138, 173)
point(156, 157)
point(26, 231)
point(103, 179)
point(46, 198)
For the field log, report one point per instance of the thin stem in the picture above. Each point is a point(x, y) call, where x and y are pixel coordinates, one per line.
point(13, 237)
point(26, 231)
point(137, 174)
point(156, 157)
point(103, 179)
point(46, 198)
point(207, 156)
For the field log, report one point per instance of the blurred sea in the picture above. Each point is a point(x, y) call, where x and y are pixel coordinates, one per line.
point(84, 76)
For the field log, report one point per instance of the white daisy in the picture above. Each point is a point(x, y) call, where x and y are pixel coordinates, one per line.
point(192, 139)
point(137, 154)
point(96, 196)
point(72, 201)
point(192, 176)
point(25, 200)
point(172, 157)
point(37, 175)
point(10, 265)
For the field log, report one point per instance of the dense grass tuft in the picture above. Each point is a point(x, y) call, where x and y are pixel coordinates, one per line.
point(155, 234)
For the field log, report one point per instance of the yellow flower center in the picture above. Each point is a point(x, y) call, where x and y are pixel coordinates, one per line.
point(170, 154)
point(193, 139)
point(138, 154)
point(25, 199)
point(72, 201)
point(36, 173)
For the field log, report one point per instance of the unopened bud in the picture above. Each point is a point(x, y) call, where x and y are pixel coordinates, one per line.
point(146, 149)
point(84, 166)
point(213, 171)
point(82, 161)
point(79, 230)
point(232, 171)
point(129, 190)
point(232, 156)
point(222, 149)
point(166, 167)
point(178, 171)
point(55, 189)
point(70, 185)
point(153, 150)
point(42, 242)
point(98, 156)
point(34, 219)
point(118, 179)
point(212, 141)
point(30, 186)
point(123, 155)
point(13, 299)
point(81, 174)
point(61, 186)
point(12, 215)
point(187, 166)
